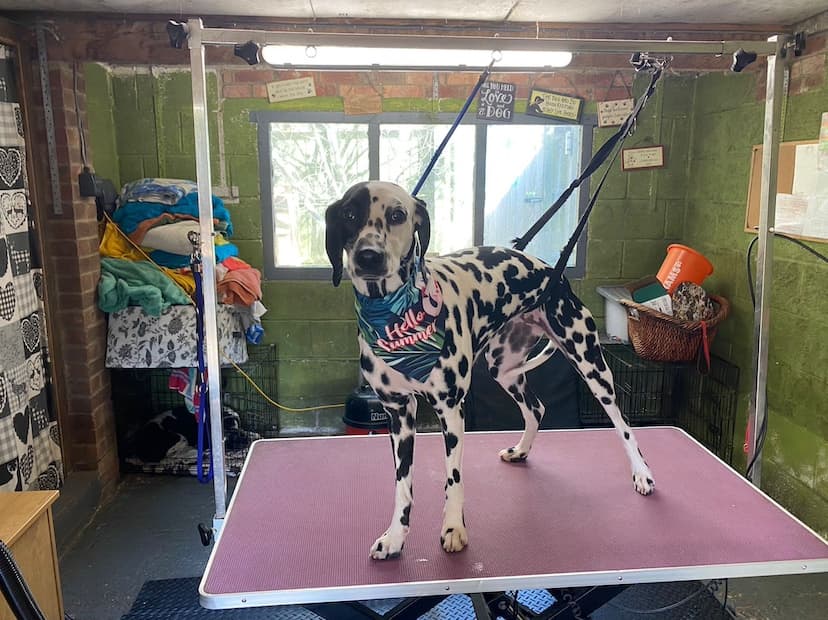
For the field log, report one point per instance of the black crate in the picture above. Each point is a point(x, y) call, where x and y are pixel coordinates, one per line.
point(663, 393)
point(643, 389)
point(139, 395)
point(257, 414)
point(707, 405)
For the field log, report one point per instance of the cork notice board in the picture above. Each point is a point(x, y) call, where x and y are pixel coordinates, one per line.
point(784, 180)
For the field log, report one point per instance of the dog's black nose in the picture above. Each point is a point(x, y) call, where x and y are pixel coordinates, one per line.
point(370, 260)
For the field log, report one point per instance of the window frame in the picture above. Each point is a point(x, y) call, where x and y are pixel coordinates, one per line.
point(263, 119)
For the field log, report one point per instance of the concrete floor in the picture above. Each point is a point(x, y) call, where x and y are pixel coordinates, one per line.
point(148, 531)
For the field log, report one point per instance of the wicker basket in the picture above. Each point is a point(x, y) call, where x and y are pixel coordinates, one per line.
point(662, 338)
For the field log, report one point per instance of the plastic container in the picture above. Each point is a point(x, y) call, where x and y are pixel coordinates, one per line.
point(364, 414)
point(683, 264)
point(615, 315)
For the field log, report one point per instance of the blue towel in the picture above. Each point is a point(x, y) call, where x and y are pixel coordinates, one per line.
point(131, 214)
point(176, 261)
point(166, 191)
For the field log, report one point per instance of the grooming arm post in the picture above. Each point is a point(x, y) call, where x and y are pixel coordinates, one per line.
point(208, 259)
point(764, 259)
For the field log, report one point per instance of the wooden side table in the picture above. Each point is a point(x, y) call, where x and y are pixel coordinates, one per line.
point(27, 528)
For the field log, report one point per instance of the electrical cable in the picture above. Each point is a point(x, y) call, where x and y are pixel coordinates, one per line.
point(224, 354)
point(273, 402)
point(820, 256)
point(761, 433)
point(658, 610)
point(567, 610)
point(78, 115)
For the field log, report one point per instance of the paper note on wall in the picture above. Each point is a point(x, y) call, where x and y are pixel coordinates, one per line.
point(790, 213)
point(815, 224)
point(805, 170)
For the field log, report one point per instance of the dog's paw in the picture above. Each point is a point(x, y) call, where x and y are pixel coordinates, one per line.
point(513, 455)
point(454, 538)
point(643, 482)
point(387, 547)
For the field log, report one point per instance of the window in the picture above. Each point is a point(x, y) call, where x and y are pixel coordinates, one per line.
point(489, 186)
point(310, 162)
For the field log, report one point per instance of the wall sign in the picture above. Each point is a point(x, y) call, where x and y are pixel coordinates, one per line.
point(614, 113)
point(553, 105)
point(496, 102)
point(285, 90)
point(642, 158)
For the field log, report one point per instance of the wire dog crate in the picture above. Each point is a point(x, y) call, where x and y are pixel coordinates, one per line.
point(148, 411)
point(662, 393)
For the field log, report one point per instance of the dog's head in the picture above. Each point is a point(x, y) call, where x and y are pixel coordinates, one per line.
point(377, 225)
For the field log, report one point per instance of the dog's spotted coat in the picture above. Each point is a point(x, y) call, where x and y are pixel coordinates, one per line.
point(497, 302)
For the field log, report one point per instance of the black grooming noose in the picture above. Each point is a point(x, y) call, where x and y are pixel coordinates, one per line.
point(641, 62)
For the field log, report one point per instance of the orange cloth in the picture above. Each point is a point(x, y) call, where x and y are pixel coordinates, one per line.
point(240, 286)
point(232, 263)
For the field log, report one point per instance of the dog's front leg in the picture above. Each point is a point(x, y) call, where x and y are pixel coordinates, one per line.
point(453, 535)
point(402, 422)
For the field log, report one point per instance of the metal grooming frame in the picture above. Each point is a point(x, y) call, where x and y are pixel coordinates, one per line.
point(198, 37)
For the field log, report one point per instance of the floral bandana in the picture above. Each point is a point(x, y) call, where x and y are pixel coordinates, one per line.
point(407, 328)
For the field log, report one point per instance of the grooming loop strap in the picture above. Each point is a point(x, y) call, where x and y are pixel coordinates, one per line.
point(641, 62)
point(480, 81)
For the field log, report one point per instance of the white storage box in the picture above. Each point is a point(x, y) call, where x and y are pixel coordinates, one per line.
point(615, 315)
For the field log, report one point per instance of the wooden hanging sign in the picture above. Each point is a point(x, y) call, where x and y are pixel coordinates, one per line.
point(614, 113)
point(496, 102)
point(642, 158)
point(285, 90)
point(554, 105)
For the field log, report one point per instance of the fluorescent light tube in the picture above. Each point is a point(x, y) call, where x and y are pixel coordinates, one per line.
point(333, 56)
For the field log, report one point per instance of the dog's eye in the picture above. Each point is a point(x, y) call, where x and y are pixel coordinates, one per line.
point(348, 215)
point(397, 216)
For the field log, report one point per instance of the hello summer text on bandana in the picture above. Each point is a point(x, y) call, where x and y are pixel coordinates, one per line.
point(405, 329)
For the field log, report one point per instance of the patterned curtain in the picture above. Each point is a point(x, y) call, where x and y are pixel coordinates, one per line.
point(30, 457)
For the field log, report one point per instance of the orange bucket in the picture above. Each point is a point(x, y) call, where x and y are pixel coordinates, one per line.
point(683, 264)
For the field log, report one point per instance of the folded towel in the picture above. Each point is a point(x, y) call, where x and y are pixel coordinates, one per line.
point(167, 191)
point(131, 215)
point(176, 261)
point(115, 245)
point(126, 283)
point(240, 286)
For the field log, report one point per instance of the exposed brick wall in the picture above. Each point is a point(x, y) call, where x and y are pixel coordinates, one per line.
point(807, 72)
point(364, 91)
point(73, 266)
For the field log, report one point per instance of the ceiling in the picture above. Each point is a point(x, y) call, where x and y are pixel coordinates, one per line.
point(745, 12)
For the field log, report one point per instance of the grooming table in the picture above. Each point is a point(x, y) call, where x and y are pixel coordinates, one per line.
point(306, 511)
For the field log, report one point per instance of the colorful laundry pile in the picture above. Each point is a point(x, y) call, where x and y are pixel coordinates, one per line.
point(157, 216)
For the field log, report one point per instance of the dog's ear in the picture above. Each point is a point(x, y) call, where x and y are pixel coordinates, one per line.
point(422, 225)
point(334, 243)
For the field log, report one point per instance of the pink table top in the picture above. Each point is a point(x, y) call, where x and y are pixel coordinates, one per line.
point(306, 511)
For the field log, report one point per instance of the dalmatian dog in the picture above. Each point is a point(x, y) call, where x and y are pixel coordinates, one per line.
point(486, 301)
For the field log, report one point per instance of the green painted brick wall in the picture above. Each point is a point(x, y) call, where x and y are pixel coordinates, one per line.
point(100, 114)
point(639, 213)
point(311, 323)
point(141, 125)
point(728, 122)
